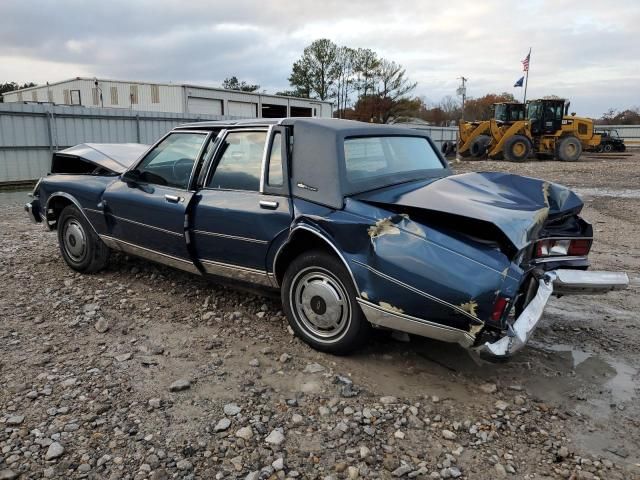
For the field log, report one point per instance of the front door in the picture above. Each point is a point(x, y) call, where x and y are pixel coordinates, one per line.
point(243, 205)
point(147, 216)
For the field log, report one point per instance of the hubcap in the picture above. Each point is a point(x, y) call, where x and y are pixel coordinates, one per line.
point(571, 149)
point(320, 303)
point(75, 242)
point(519, 148)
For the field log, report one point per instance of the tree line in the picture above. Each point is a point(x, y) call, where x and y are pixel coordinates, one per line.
point(11, 86)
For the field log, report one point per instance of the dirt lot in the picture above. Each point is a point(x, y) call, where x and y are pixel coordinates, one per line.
point(88, 365)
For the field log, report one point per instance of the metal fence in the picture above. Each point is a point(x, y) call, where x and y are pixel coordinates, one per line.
point(30, 133)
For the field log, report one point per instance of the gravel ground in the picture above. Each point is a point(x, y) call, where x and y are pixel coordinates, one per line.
point(143, 372)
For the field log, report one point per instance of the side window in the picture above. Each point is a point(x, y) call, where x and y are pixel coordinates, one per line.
point(240, 163)
point(274, 175)
point(171, 161)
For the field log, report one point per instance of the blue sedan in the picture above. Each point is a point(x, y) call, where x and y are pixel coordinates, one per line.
point(359, 226)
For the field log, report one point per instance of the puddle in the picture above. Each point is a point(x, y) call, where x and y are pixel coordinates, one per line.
point(14, 197)
point(607, 192)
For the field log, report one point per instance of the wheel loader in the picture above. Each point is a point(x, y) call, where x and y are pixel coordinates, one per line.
point(475, 137)
point(547, 132)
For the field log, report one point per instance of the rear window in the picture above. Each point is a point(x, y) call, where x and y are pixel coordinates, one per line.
point(374, 158)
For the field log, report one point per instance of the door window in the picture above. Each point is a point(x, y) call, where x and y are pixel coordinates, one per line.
point(240, 164)
point(274, 175)
point(170, 163)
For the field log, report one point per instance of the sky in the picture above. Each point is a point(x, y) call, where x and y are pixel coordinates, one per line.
point(585, 50)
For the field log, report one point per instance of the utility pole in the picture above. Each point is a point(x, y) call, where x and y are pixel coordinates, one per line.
point(462, 91)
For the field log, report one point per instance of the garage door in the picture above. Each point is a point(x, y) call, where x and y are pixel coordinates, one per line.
point(243, 109)
point(204, 105)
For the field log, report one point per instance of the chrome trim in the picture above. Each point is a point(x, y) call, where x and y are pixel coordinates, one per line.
point(263, 167)
point(153, 255)
point(198, 157)
point(236, 272)
point(221, 134)
point(268, 204)
point(92, 210)
point(542, 239)
point(72, 200)
point(29, 209)
point(323, 237)
point(231, 237)
point(558, 258)
point(406, 323)
point(169, 232)
point(420, 292)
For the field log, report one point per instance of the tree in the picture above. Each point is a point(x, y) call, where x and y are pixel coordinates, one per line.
point(11, 86)
point(366, 64)
point(344, 83)
point(232, 83)
point(315, 73)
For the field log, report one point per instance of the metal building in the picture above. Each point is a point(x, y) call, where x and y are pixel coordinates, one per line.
point(168, 97)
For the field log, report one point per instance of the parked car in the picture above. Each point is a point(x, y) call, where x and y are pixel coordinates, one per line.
point(357, 225)
point(610, 141)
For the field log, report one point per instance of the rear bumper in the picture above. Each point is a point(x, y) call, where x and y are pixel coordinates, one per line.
point(558, 282)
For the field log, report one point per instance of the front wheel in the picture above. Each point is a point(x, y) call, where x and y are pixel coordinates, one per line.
point(80, 246)
point(319, 300)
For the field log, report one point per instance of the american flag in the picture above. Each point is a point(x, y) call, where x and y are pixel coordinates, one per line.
point(525, 63)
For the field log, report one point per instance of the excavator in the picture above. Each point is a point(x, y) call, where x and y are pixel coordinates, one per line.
point(547, 131)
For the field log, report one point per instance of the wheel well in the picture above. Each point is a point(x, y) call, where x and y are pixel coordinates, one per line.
point(55, 206)
point(301, 241)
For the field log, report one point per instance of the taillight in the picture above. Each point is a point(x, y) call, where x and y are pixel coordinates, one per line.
point(562, 247)
point(498, 308)
point(579, 247)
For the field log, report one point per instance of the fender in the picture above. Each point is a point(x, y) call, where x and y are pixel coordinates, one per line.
point(73, 200)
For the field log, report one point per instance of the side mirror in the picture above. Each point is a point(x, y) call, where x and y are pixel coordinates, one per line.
point(131, 177)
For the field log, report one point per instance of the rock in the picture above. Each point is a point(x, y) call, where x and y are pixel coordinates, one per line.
point(353, 473)
point(184, 465)
point(297, 418)
point(245, 433)
point(364, 452)
point(180, 385)
point(401, 470)
point(160, 474)
point(489, 387)
point(254, 362)
point(455, 472)
point(399, 434)
point(276, 437)
point(222, 425)
point(8, 474)
point(519, 400)
point(323, 411)
point(563, 452)
point(15, 420)
point(500, 471)
point(55, 451)
point(449, 435)
point(155, 402)
point(389, 400)
point(255, 475)
point(123, 357)
point(501, 405)
point(313, 368)
point(232, 409)
point(278, 464)
point(285, 357)
point(101, 325)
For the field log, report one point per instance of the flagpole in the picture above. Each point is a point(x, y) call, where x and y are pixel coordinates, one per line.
point(526, 79)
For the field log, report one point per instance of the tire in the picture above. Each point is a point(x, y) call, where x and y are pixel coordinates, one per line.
point(517, 148)
point(622, 148)
point(479, 145)
point(445, 148)
point(80, 247)
point(607, 148)
point(568, 149)
point(319, 300)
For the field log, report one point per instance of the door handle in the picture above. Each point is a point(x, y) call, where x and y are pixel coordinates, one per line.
point(172, 198)
point(268, 204)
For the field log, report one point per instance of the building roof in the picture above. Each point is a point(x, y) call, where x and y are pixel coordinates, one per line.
point(185, 85)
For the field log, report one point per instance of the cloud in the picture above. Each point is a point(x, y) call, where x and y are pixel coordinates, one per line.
point(589, 54)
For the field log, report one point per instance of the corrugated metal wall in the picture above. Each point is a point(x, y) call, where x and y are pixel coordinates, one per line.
point(30, 133)
point(439, 135)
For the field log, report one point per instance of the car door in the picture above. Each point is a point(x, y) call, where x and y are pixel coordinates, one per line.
point(244, 203)
point(146, 210)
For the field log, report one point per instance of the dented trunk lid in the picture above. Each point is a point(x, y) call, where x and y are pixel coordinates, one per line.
point(517, 206)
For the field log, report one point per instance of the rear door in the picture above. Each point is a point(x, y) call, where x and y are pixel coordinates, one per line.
point(244, 203)
point(149, 217)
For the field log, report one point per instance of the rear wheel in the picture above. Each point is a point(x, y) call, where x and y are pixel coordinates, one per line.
point(569, 149)
point(319, 300)
point(80, 246)
point(607, 148)
point(517, 148)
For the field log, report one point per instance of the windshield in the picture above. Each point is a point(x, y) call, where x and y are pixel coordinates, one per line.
point(374, 161)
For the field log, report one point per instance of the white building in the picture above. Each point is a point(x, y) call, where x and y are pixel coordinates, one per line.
point(168, 97)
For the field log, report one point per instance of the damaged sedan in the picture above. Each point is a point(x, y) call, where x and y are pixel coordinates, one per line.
point(359, 226)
